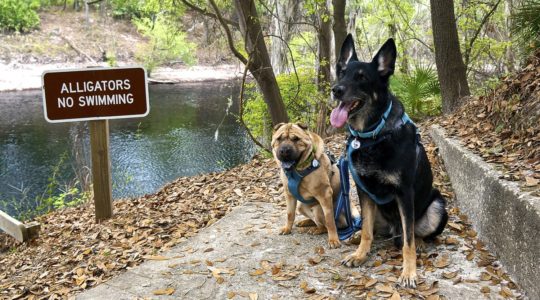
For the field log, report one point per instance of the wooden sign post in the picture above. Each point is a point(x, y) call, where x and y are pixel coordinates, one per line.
point(96, 95)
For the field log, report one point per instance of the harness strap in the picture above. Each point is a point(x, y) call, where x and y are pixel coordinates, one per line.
point(344, 204)
point(379, 200)
point(367, 139)
point(294, 178)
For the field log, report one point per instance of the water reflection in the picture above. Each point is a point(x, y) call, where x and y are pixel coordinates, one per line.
point(175, 139)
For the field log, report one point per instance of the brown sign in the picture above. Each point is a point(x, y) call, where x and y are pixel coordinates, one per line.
point(95, 94)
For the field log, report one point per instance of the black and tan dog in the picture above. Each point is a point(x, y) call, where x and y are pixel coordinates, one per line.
point(295, 150)
point(393, 174)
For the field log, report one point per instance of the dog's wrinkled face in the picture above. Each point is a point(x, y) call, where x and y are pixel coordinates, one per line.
point(289, 142)
point(359, 83)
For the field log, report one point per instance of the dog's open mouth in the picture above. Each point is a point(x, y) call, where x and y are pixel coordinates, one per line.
point(340, 114)
point(287, 164)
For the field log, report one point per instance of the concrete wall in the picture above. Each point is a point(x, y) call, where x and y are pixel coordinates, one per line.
point(506, 219)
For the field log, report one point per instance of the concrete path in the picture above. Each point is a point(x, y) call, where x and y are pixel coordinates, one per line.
point(242, 257)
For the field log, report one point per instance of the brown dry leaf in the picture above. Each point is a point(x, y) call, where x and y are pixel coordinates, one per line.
point(219, 279)
point(155, 257)
point(257, 272)
point(163, 292)
point(433, 297)
point(231, 295)
point(253, 296)
point(449, 275)
point(456, 226)
point(485, 290)
point(315, 260)
point(531, 181)
point(371, 282)
point(395, 296)
point(506, 292)
point(384, 288)
point(442, 261)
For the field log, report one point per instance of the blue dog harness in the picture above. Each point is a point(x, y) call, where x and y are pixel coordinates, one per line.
point(359, 140)
point(294, 177)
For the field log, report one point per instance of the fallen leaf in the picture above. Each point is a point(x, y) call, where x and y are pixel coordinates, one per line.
point(231, 295)
point(384, 288)
point(168, 291)
point(531, 181)
point(442, 261)
point(253, 296)
point(155, 257)
point(395, 296)
point(257, 272)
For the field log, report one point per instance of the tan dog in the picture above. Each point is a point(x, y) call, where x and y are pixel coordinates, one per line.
point(295, 147)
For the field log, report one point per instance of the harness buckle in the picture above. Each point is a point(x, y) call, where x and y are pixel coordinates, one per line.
point(355, 144)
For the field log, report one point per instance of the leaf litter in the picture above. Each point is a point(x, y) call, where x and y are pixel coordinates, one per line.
point(503, 127)
point(73, 253)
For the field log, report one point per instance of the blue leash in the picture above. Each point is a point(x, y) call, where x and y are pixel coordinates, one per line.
point(343, 203)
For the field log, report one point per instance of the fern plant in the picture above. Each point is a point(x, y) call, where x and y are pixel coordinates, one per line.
point(526, 24)
point(419, 91)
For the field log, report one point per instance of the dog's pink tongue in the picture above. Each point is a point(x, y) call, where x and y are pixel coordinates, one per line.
point(339, 115)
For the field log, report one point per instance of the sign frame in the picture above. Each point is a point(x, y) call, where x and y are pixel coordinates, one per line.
point(98, 68)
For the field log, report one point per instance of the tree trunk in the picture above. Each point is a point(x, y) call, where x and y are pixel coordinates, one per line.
point(450, 66)
point(510, 55)
point(259, 65)
point(324, 75)
point(340, 26)
point(282, 28)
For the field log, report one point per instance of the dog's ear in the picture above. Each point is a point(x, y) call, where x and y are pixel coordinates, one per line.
point(302, 125)
point(278, 126)
point(346, 55)
point(385, 59)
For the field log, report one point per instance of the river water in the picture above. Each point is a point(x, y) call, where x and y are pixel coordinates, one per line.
point(178, 138)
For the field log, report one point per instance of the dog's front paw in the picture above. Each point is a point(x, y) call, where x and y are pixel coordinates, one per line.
point(353, 260)
point(334, 243)
point(408, 278)
point(285, 230)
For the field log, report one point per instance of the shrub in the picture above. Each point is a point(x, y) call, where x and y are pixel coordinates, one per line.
point(300, 97)
point(166, 43)
point(18, 15)
point(419, 91)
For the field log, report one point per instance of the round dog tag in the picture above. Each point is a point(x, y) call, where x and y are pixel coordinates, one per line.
point(355, 144)
point(315, 163)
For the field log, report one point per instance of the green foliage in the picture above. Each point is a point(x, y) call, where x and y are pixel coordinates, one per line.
point(419, 91)
point(166, 43)
point(304, 50)
point(128, 9)
point(526, 24)
point(19, 15)
point(55, 196)
point(300, 97)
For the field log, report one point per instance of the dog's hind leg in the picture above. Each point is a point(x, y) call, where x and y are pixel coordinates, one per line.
point(406, 211)
point(318, 218)
point(305, 223)
point(432, 223)
point(369, 211)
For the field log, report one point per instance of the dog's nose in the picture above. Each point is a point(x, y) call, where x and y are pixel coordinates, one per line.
point(338, 90)
point(285, 151)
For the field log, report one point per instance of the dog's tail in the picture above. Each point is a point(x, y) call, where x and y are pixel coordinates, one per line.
point(434, 220)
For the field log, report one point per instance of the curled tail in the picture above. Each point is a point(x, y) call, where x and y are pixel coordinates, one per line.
point(434, 220)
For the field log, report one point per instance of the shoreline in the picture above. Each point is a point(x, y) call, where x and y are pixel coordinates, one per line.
point(23, 77)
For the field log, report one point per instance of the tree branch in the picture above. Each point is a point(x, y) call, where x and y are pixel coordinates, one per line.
point(230, 40)
point(241, 113)
point(204, 12)
point(468, 49)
